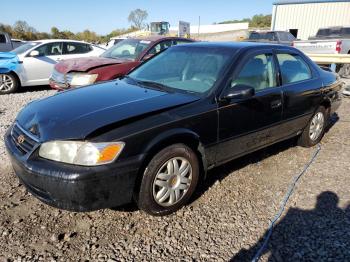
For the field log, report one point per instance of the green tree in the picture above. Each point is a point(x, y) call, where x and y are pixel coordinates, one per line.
point(137, 18)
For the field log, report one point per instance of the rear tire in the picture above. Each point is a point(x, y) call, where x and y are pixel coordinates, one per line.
point(8, 83)
point(315, 129)
point(168, 181)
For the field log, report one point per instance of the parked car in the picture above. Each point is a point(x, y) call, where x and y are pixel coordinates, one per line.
point(32, 64)
point(114, 40)
point(152, 135)
point(272, 37)
point(329, 40)
point(115, 62)
point(8, 44)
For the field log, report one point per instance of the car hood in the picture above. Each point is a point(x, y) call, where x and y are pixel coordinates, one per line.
point(8, 62)
point(84, 64)
point(77, 113)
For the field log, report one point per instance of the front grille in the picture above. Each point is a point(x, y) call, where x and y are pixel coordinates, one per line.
point(23, 140)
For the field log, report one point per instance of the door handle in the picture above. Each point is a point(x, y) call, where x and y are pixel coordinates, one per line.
point(276, 104)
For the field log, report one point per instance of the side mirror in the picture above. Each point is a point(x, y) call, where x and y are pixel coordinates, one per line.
point(34, 53)
point(148, 56)
point(240, 92)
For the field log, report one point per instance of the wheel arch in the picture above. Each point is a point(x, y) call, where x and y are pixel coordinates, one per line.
point(17, 77)
point(326, 103)
point(171, 137)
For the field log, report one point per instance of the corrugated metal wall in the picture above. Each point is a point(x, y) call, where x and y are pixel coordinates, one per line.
point(308, 18)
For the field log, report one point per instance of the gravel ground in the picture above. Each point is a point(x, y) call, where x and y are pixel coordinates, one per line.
point(227, 218)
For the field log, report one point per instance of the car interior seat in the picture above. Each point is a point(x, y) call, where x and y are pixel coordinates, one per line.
point(254, 74)
point(55, 51)
point(207, 70)
point(293, 71)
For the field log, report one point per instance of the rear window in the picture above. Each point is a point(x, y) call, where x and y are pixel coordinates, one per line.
point(333, 32)
point(263, 36)
point(293, 68)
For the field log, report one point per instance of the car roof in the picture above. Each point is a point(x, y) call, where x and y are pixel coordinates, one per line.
point(234, 45)
point(57, 40)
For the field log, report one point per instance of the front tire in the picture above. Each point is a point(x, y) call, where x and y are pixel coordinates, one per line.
point(169, 180)
point(8, 83)
point(315, 130)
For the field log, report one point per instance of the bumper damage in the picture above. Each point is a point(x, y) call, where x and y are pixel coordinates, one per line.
point(74, 188)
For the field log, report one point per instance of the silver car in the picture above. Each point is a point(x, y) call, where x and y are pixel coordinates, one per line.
point(32, 64)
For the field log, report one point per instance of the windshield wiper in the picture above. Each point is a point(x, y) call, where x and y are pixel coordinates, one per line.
point(152, 84)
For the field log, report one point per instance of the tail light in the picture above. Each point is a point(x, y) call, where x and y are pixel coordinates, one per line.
point(338, 47)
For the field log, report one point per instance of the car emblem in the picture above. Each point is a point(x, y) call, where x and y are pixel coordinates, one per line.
point(20, 139)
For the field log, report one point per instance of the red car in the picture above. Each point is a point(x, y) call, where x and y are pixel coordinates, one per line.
point(115, 62)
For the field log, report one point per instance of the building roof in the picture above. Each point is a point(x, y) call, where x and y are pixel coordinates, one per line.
point(289, 2)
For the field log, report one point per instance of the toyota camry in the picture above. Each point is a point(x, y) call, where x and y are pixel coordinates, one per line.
point(151, 136)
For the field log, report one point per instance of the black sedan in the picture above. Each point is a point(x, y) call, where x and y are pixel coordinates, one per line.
point(152, 135)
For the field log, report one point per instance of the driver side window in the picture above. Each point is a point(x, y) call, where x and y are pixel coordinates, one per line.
point(259, 72)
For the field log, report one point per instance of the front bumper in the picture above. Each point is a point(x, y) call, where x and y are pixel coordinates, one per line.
point(74, 188)
point(58, 86)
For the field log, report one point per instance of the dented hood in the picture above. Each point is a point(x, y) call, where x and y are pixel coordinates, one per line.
point(85, 64)
point(77, 113)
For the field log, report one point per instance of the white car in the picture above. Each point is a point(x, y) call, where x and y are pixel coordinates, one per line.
point(113, 41)
point(32, 63)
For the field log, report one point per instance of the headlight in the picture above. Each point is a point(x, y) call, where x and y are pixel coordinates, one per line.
point(82, 79)
point(81, 153)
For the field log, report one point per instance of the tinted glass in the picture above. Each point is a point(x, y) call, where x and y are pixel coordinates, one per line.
point(193, 70)
point(263, 36)
point(258, 72)
point(50, 49)
point(290, 37)
point(128, 49)
point(160, 47)
point(76, 48)
point(2, 38)
point(283, 36)
point(23, 48)
point(293, 68)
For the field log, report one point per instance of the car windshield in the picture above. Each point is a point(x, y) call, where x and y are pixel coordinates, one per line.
point(128, 49)
point(183, 68)
point(23, 48)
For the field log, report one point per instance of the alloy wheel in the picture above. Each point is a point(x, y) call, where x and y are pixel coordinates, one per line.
point(6, 83)
point(316, 126)
point(172, 181)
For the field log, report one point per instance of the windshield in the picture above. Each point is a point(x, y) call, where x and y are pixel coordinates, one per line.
point(192, 70)
point(23, 48)
point(128, 49)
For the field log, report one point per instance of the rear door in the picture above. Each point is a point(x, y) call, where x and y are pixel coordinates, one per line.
point(301, 90)
point(247, 124)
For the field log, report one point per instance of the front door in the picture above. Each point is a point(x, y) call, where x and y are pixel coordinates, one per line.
point(38, 69)
point(247, 124)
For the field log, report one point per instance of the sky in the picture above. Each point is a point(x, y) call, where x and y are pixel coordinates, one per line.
point(103, 16)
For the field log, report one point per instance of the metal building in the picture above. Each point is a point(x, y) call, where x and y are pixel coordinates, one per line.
point(304, 17)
